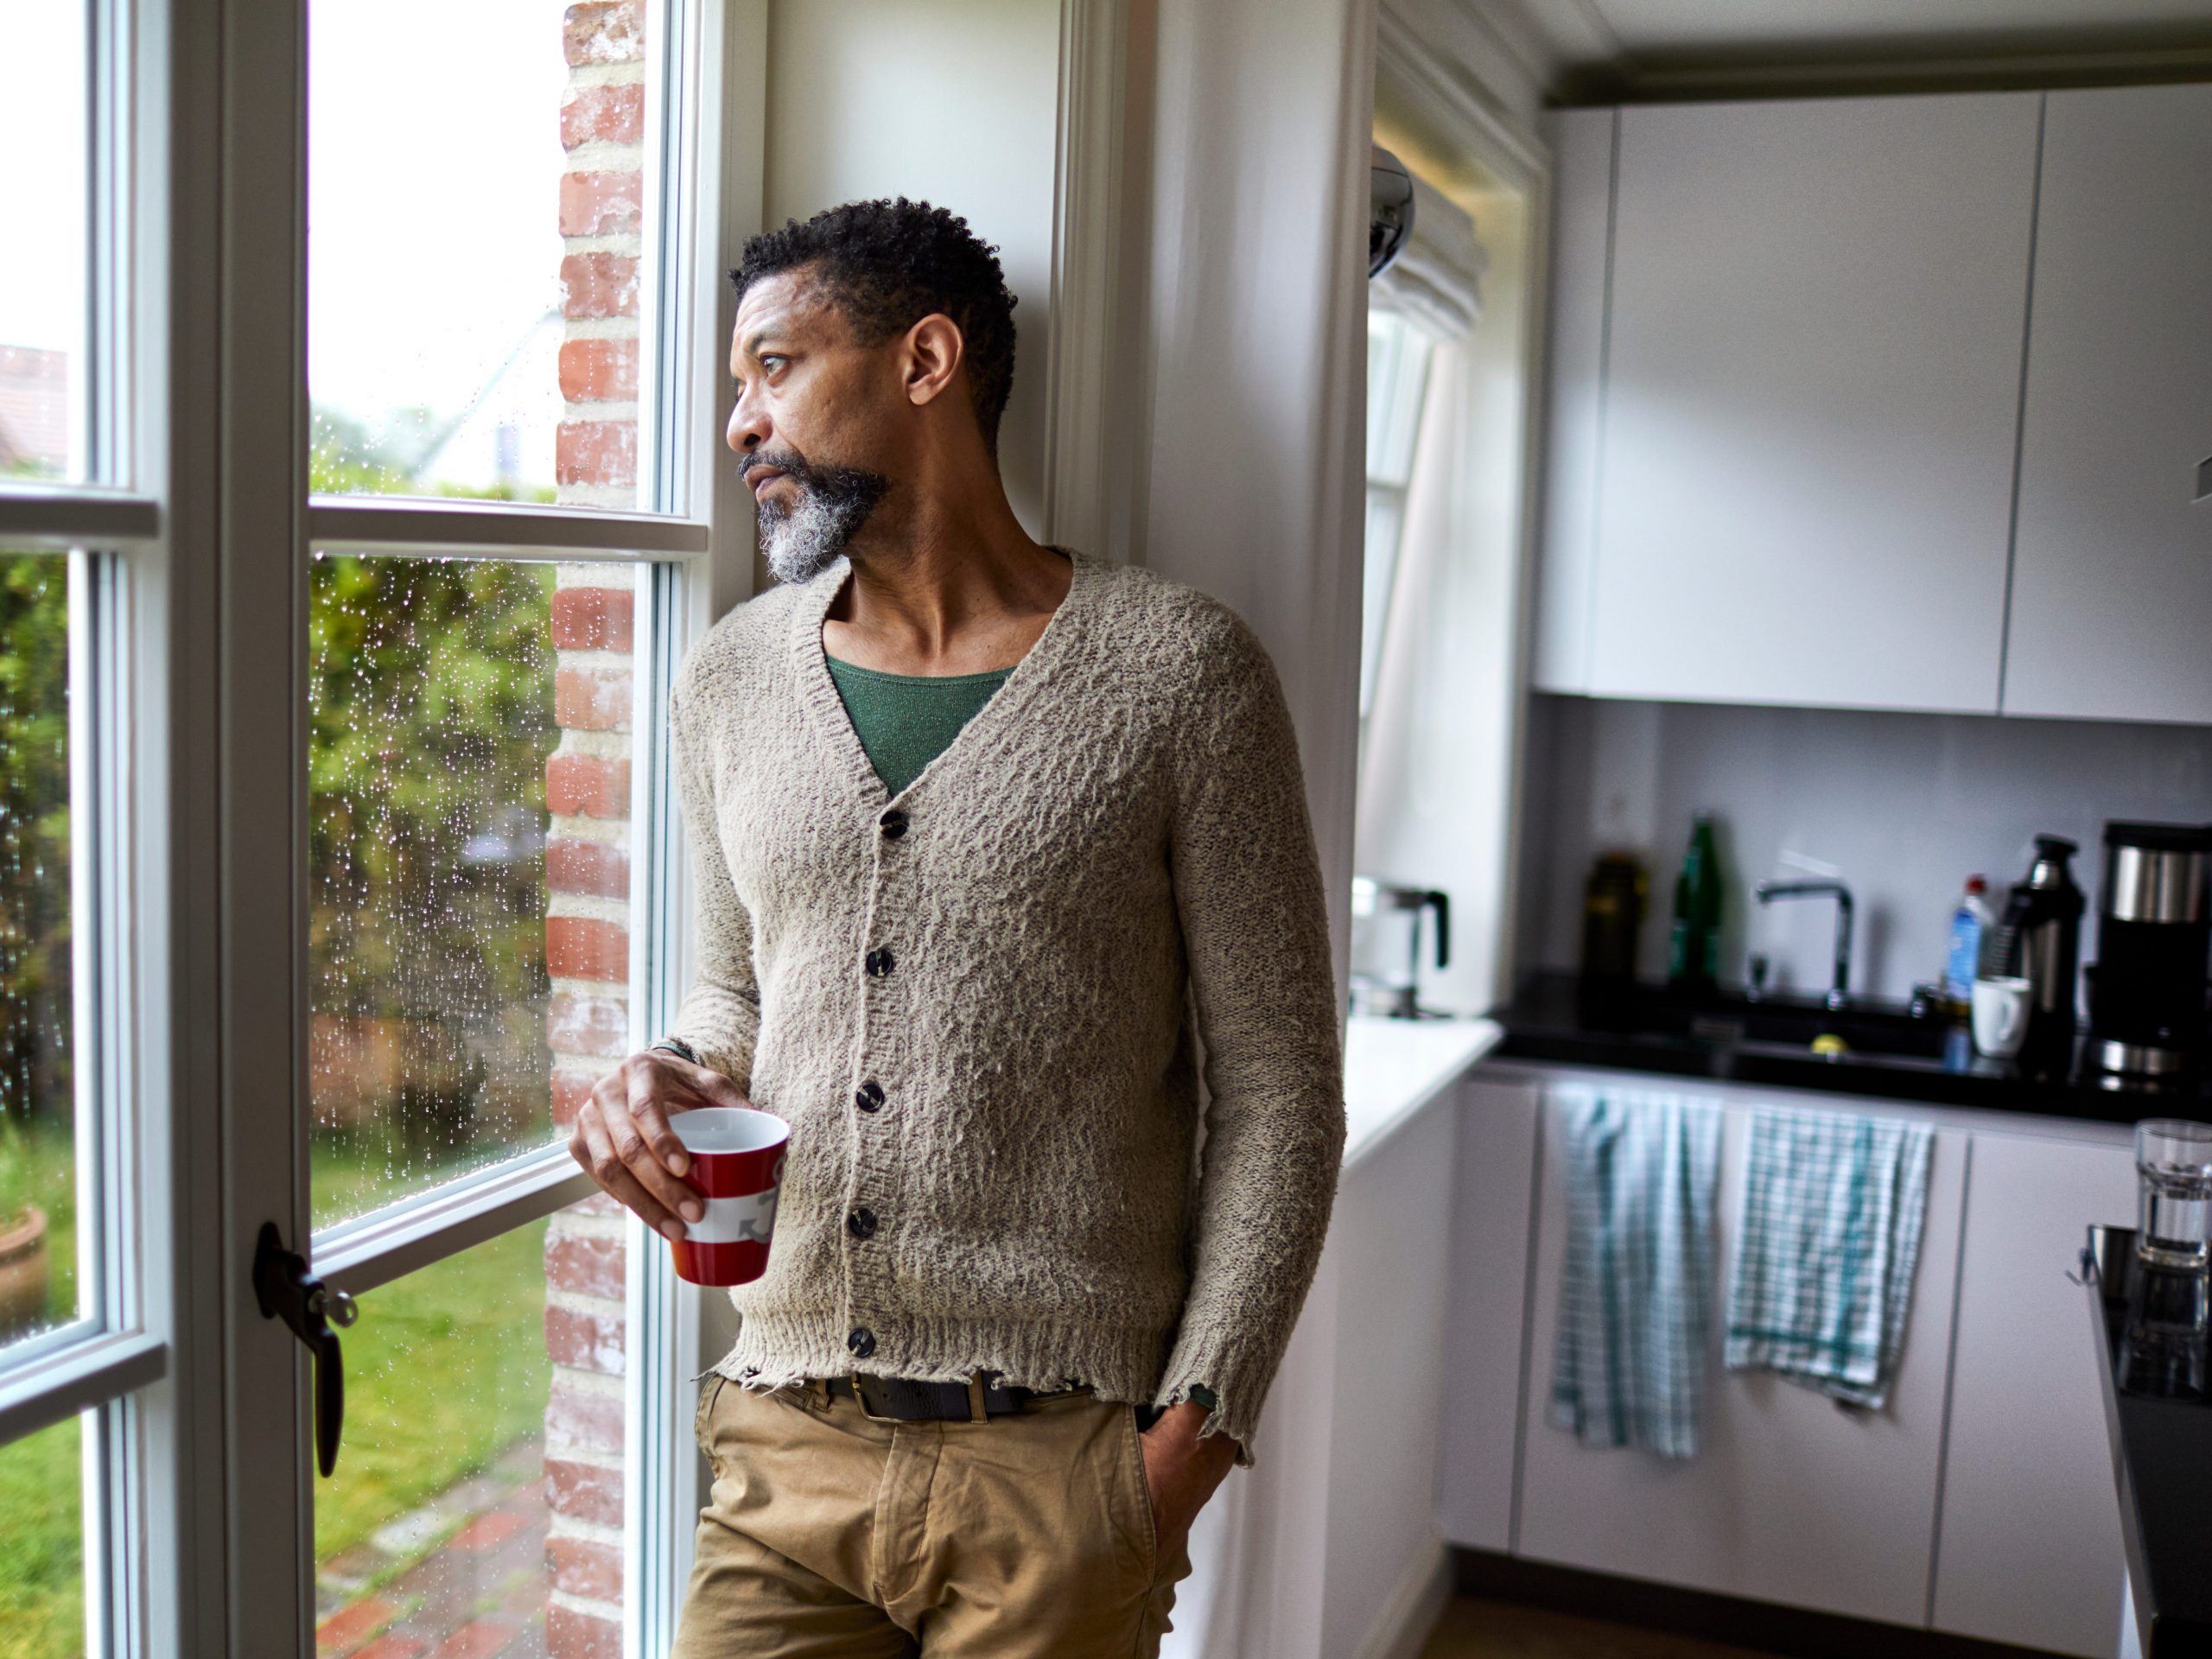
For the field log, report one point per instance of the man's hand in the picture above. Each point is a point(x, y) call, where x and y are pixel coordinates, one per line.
point(623, 1141)
point(1182, 1470)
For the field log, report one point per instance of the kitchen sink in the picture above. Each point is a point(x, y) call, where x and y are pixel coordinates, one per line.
point(1731, 1020)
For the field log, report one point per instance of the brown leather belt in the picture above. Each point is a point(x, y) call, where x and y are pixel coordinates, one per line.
point(905, 1398)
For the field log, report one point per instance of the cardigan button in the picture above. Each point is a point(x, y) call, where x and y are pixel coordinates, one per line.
point(869, 1096)
point(893, 823)
point(880, 960)
point(862, 1223)
point(861, 1340)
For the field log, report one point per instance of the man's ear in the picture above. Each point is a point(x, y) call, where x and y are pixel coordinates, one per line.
point(932, 354)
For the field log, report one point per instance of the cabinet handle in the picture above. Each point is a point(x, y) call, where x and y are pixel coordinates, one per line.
point(2204, 478)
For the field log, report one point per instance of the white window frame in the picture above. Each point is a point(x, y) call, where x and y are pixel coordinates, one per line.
point(1395, 411)
point(189, 752)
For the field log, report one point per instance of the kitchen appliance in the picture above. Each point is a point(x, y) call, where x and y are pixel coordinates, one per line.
point(2039, 939)
point(1386, 946)
point(2154, 949)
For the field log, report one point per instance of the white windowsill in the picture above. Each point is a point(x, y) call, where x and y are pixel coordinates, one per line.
point(1394, 1068)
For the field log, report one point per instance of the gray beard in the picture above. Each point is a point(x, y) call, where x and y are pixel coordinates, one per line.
point(800, 543)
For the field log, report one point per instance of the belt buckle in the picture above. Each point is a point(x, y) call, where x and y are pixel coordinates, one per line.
point(859, 1393)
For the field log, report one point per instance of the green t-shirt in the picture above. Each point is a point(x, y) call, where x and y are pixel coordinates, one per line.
point(905, 721)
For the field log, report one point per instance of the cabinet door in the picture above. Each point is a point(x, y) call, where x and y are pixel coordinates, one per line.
point(2031, 1550)
point(1812, 394)
point(1492, 1191)
point(1582, 216)
point(1788, 1499)
point(2112, 573)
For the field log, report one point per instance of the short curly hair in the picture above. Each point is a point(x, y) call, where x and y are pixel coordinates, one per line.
point(886, 264)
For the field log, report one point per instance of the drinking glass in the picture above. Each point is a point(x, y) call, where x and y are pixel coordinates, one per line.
point(2174, 1158)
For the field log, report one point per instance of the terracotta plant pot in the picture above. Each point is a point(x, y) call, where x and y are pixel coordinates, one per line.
point(23, 1275)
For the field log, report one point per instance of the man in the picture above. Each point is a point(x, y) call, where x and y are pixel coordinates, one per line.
point(988, 836)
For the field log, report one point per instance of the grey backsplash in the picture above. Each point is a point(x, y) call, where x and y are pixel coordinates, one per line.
point(1903, 807)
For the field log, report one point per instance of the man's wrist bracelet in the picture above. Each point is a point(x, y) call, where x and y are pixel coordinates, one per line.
point(678, 1048)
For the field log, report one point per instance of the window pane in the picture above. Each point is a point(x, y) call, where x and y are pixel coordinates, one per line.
point(42, 1545)
point(469, 808)
point(39, 1157)
point(43, 275)
point(1385, 517)
point(1397, 374)
point(478, 231)
point(481, 1464)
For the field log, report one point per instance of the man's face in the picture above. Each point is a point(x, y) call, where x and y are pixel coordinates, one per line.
point(814, 422)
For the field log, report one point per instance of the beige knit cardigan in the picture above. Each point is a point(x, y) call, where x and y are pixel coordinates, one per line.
point(981, 1004)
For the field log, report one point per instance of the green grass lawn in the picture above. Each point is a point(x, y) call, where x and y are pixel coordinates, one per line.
point(445, 1368)
point(42, 1565)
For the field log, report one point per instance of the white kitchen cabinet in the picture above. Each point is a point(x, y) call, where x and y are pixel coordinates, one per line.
point(1492, 1191)
point(1789, 1499)
point(2030, 1549)
point(2112, 574)
point(1811, 387)
point(1582, 229)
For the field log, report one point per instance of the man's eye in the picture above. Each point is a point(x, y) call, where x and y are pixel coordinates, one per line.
point(770, 361)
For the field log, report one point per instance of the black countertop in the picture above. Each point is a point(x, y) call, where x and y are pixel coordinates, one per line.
point(2162, 1463)
point(1892, 1055)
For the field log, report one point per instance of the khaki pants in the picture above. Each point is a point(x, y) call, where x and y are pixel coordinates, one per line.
point(831, 1535)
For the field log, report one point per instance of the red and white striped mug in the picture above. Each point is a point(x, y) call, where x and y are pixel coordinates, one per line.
point(737, 1168)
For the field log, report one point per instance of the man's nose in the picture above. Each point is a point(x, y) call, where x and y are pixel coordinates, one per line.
point(749, 427)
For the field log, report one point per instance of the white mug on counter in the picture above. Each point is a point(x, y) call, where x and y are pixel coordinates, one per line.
point(2000, 1016)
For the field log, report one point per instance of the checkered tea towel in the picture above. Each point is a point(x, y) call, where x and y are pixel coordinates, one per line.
point(1628, 1365)
point(1833, 1209)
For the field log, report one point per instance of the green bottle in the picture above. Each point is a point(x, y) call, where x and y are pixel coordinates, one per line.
point(1694, 944)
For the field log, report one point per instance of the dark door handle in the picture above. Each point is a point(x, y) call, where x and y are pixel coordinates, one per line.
point(288, 1289)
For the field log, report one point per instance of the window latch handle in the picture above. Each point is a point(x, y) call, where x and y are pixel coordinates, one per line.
point(288, 1289)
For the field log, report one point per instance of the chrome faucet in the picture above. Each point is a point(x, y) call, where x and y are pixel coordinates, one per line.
point(1767, 892)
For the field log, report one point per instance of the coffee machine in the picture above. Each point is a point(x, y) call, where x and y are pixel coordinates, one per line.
point(2147, 1010)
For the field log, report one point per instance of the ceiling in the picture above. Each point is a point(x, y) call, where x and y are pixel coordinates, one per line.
point(1616, 47)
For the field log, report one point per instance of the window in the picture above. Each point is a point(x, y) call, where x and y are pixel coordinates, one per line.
point(470, 854)
point(46, 310)
point(1397, 375)
point(348, 542)
point(479, 1495)
point(480, 253)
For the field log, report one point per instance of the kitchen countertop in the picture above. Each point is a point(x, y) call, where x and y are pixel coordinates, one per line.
point(1550, 1021)
point(1394, 1067)
point(2162, 1465)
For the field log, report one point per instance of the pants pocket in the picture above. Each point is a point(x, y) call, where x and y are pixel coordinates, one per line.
point(700, 1433)
point(1142, 1487)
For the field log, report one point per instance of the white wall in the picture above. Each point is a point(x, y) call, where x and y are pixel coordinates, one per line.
point(1904, 807)
point(952, 104)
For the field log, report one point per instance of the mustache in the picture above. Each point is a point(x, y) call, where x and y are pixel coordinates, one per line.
point(849, 488)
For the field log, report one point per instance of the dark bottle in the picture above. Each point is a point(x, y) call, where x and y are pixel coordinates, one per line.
point(2039, 939)
point(1693, 946)
point(1613, 902)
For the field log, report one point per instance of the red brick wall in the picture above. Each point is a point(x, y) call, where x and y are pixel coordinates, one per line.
point(587, 795)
